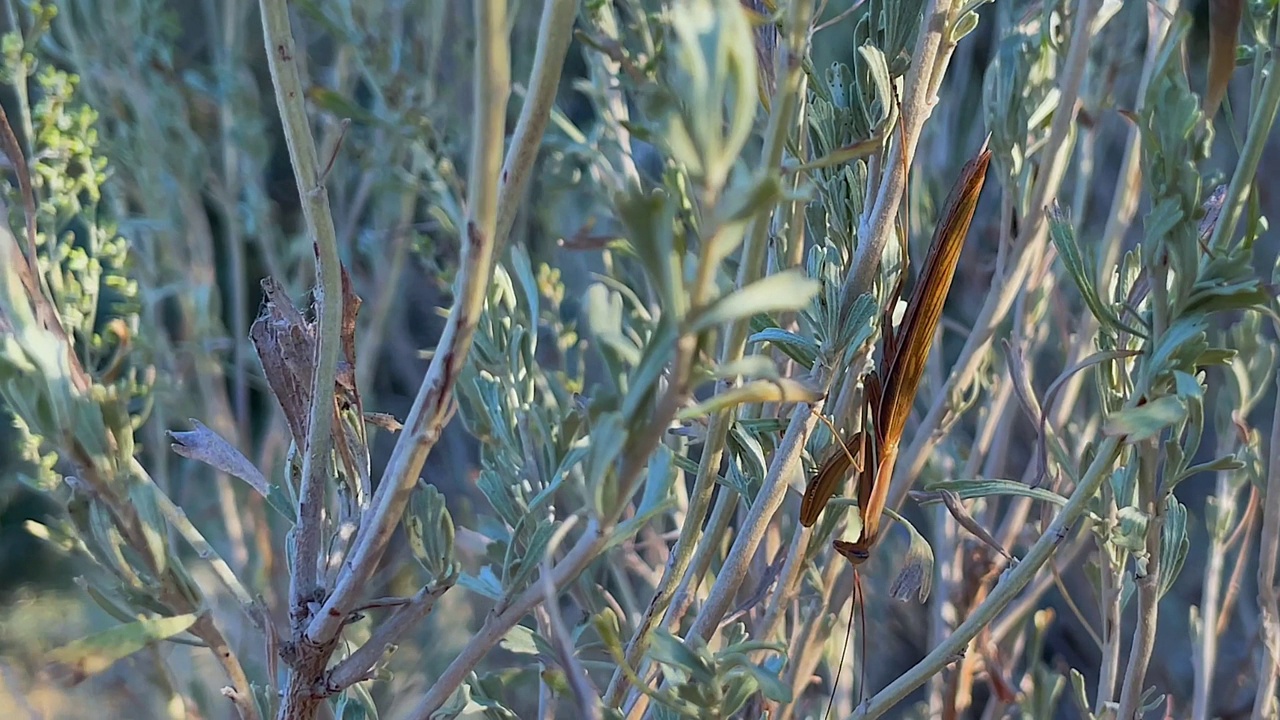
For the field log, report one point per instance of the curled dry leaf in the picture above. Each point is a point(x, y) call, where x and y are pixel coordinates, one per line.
point(286, 343)
point(208, 447)
point(386, 421)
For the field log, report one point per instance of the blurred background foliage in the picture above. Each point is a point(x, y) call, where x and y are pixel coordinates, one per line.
point(163, 172)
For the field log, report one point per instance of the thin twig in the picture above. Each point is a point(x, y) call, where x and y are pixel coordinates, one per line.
point(241, 691)
point(1260, 122)
point(1150, 502)
point(434, 404)
point(1268, 593)
point(495, 627)
point(409, 612)
point(750, 269)
point(1028, 247)
point(282, 61)
point(588, 697)
point(555, 32)
point(1005, 591)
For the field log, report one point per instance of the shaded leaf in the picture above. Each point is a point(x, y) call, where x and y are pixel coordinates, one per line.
point(916, 576)
point(801, 349)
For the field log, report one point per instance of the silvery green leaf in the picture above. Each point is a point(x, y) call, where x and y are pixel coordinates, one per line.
point(498, 492)
point(916, 576)
point(735, 690)
point(104, 601)
point(112, 545)
point(858, 325)
point(486, 583)
point(895, 24)
point(676, 653)
point(784, 291)
point(524, 641)
point(768, 676)
point(1124, 483)
point(58, 533)
point(1247, 295)
point(687, 464)
point(522, 269)
point(604, 320)
point(1174, 543)
point(1187, 385)
point(991, 487)
point(1146, 421)
point(651, 218)
point(966, 24)
point(738, 482)
point(459, 702)
point(1226, 463)
point(608, 436)
point(605, 623)
point(430, 532)
point(659, 479)
point(874, 88)
point(1175, 460)
point(1131, 531)
point(280, 501)
point(801, 349)
point(1063, 236)
point(520, 564)
point(748, 450)
point(716, 72)
point(1080, 694)
point(644, 377)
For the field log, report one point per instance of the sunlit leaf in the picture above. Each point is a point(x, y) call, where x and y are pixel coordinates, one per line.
point(91, 655)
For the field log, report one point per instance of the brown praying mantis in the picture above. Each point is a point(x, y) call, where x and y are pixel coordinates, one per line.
point(889, 391)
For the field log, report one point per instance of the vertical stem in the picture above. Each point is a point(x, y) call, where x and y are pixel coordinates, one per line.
point(434, 404)
point(1109, 601)
point(555, 31)
point(1264, 701)
point(1260, 122)
point(282, 59)
point(751, 268)
point(1151, 502)
point(1206, 653)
